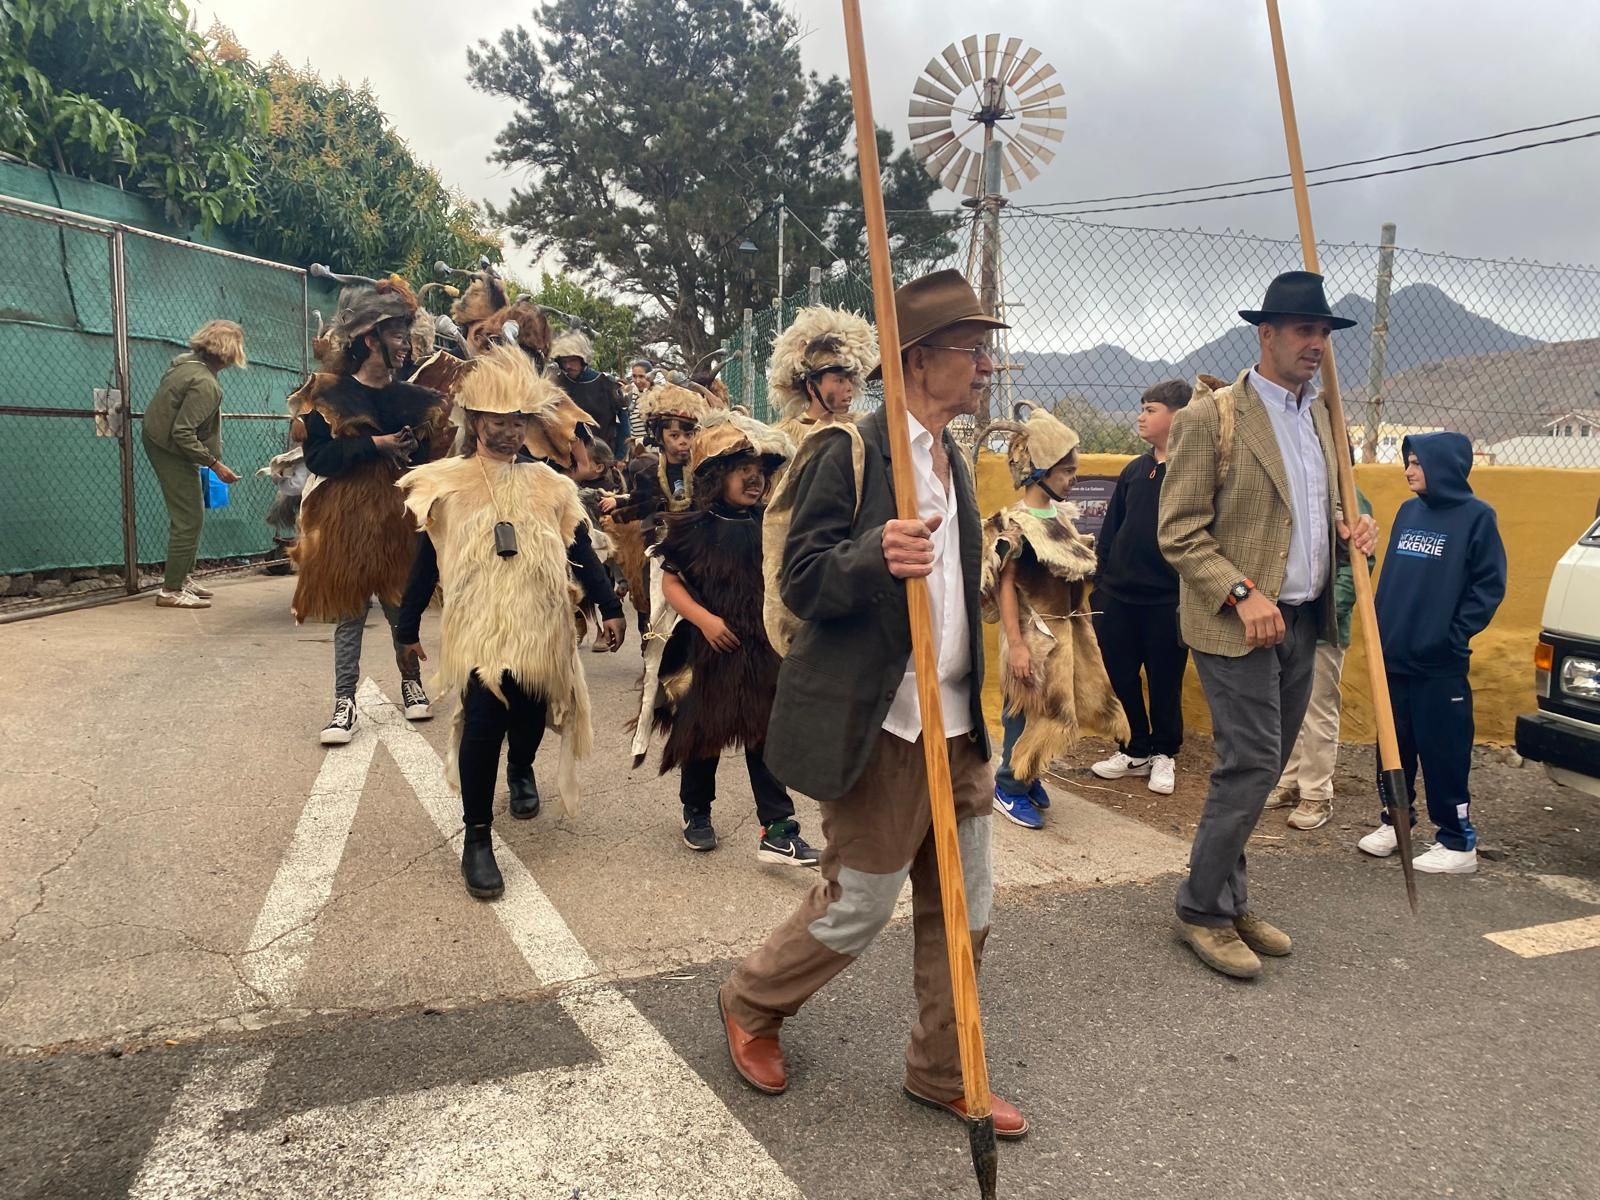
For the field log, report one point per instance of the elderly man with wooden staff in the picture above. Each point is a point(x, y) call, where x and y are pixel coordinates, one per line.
point(847, 726)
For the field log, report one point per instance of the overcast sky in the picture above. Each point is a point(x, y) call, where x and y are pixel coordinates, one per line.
point(1160, 93)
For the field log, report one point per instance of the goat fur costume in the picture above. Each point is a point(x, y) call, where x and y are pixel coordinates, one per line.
point(507, 614)
point(1071, 694)
point(817, 338)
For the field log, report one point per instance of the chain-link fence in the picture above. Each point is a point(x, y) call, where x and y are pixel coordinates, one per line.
point(1505, 352)
point(91, 312)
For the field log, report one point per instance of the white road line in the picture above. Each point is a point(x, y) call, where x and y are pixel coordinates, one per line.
point(639, 1125)
point(1558, 937)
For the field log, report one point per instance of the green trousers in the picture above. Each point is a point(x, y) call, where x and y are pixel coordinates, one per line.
point(180, 487)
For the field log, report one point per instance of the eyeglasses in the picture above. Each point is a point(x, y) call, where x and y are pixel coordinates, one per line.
point(976, 352)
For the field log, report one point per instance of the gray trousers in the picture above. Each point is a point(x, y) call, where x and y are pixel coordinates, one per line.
point(347, 636)
point(1258, 704)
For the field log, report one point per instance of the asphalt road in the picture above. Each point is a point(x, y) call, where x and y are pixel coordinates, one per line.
point(275, 988)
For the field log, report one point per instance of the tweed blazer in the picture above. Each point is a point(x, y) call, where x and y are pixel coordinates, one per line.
point(1223, 523)
point(849, 655)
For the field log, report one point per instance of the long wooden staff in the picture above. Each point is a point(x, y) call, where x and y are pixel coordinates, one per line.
point(963, 973)
point(1392, 781)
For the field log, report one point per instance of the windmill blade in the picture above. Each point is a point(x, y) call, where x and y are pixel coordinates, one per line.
point(926, 150)
point(1043, 114)
point(957, 65)
point(1053, 132)
point(1029, 103)
point(939, 160)
point(991, 48)
point(1008, 58)
point(1010, 176)
point(1037, 150)
point(1022, 68)
point(1024, 161)
point(974, 184)
point(930, 108)
point(952, 177)
point(922, 129)
point(970, 47)
point(1035, 79)
point(936, 69)
point(926, 88)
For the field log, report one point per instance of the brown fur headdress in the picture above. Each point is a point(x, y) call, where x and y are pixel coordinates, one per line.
point(484, 297)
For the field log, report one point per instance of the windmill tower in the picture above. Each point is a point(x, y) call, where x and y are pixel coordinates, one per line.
point(981, 118)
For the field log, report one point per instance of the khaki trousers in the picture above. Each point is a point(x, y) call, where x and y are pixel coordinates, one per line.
point(879, 834)
point(1316, 750)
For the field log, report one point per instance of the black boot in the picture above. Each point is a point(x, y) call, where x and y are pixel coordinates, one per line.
point(524, 792)
point(478, 866)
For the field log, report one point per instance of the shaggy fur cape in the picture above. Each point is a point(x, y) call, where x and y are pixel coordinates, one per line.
point(507, 614)
point(705, 700)
point(1071, 692)
point(355, 539)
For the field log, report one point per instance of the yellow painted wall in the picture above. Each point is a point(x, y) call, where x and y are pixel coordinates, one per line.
point(1542, 512)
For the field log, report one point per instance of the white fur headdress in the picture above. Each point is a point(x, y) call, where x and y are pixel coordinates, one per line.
point(572, 344)
point(819, 337)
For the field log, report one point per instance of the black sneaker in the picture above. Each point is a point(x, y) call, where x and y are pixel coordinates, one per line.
point(414, 700)
point(781, 843)
point(697, 831)
point(342, 727)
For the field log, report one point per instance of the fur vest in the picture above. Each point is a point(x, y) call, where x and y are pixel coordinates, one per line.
point(705, 700)
point(354, 539)
point(507, 614)
point(1071, 692)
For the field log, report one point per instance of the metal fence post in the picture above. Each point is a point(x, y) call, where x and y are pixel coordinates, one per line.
point(814, 288)
point(749, 374)
point(305, 323)
point(1380, 343)
point(119, 352)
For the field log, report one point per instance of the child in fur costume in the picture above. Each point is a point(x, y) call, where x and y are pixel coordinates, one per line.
point(819, 367)
point(499, 536)
point(1036, 574)
point(710, 672)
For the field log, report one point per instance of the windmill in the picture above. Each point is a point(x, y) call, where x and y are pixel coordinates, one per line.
point(982, 121)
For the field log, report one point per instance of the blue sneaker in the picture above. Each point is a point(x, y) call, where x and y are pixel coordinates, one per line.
point(1040, 797)
point(1019, 809)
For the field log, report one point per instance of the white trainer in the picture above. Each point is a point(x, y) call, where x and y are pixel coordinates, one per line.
point(195, 588)
point(1163, 774)
point(180, 599)
point(414, 700)
point(1441, 860)
point(1119, 766)
point(1381, 842)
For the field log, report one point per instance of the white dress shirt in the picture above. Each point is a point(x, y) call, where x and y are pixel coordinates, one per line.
point(1306, 574)
point(947, 600)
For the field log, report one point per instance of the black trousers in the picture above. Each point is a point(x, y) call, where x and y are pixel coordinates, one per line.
point(486, 723)
point(697, 787)
point(1135, 636)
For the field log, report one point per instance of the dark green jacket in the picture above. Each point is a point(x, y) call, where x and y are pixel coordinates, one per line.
point(1344, 583)
point(184, 417)
point(849, 657)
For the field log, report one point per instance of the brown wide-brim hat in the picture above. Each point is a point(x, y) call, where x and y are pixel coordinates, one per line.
point(934, 302)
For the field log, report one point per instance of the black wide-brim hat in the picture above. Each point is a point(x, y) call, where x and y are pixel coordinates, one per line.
point(1295, 294)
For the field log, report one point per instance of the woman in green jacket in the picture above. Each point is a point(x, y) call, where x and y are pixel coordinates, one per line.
point(182, 433)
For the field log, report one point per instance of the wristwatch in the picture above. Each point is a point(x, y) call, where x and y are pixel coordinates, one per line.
point(1240, 592)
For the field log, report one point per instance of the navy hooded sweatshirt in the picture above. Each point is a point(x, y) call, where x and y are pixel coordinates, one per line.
point(1445, 573)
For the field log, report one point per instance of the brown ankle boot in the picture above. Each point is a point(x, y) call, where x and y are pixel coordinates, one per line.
point(1221, 949)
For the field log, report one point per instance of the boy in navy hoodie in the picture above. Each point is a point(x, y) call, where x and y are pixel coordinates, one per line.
point(1443, 579)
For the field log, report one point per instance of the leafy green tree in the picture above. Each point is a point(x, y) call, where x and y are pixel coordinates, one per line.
point(660, 135)
point(612, 327)
point(1098, 431)
point(336, 182)
point(123, 90)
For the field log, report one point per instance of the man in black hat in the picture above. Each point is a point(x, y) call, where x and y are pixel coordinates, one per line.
point(1250, 520)
point(846, 726)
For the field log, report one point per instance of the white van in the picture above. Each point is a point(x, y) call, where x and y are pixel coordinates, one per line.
point(1564, 734)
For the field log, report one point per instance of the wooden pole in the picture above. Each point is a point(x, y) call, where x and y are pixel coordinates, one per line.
point(1392, 780)
point(952, 886)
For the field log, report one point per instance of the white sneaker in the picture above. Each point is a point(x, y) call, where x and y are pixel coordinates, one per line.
point(180, 599)
point(1440, 860)
point(1381, 842)
point(1163, 774)
point(195, 588)
point(342, 728)
point(1283, 797)
point(1119, 766)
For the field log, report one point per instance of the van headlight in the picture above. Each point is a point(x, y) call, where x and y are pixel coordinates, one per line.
point(1580, 678)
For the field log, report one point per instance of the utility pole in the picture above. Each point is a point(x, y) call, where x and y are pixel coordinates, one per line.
point(777, 301)
point(814, 287)
point(749, 373)
point(1380, 344)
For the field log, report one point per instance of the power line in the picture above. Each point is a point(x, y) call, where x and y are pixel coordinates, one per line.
point(1355, 162)
point(1040, 210)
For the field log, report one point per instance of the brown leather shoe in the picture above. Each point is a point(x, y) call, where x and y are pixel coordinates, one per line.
point(1221, 949)
point(1009, 1123)
point(759, 1060)
point(1261, 937)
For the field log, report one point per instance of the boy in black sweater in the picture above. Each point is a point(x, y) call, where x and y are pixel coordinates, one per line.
point(1136, 602)
point(1443, 578)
